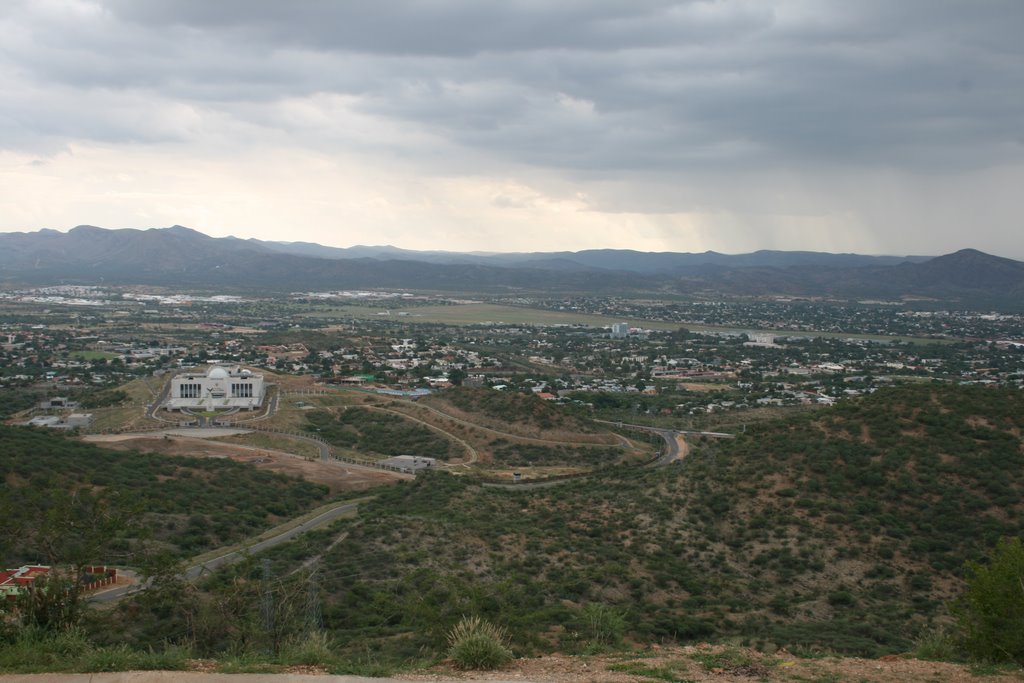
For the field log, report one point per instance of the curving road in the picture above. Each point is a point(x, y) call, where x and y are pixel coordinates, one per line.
point(158, 401)
point(672, 439)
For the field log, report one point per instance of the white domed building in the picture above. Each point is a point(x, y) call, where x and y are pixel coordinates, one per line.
point(220, 388)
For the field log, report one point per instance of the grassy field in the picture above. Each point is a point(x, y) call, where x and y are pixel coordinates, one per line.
point(144, 389)
point(482, 314)
point(131, 413)
point(92, 355)
point(122, 417)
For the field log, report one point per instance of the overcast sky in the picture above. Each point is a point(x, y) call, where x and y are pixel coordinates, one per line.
point(874, 126)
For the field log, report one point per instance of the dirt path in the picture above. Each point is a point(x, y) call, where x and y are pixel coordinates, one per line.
point(507, 435)
point(319, 556)
point(702, 663)
point(684, 448)
point(336, 475)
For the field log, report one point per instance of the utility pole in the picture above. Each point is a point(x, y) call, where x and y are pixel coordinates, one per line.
point(314, 617)
point(267, 604)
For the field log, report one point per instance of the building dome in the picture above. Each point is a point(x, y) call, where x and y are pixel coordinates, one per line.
point(217, 373)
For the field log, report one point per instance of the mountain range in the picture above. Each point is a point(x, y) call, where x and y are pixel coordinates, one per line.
point(178, 256)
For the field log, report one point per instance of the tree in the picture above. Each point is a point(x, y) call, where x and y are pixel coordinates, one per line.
point(78, 529)
point(991, 611)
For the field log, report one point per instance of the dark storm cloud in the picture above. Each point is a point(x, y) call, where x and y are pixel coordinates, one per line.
point(594, 87)
point(439, 28)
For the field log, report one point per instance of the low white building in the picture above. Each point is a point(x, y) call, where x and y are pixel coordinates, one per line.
point(220, 388)
point(77, 420)
point(72, 421)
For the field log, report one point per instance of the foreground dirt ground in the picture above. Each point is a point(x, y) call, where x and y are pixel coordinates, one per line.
point(720, 664)
point(338, 476)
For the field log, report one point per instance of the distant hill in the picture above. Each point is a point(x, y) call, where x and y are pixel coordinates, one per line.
point(967, 277)
point(179, 255)
point(603, 259)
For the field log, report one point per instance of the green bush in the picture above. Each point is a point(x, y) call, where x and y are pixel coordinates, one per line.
point(603, 625)
point(37, 650)
point(311, 649)
point(936, 646)
point(478, 644)
point(991, 611)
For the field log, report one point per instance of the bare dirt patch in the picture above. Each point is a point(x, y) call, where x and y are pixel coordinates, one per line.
point(702, 386)
point(684, 448)
point(978, 421)
point(335, 475)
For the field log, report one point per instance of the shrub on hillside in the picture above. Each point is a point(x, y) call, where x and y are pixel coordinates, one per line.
point(991, 611)
point(478, 644)
point(603, 625)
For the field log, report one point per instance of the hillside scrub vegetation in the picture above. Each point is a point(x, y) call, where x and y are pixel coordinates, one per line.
point(532, 454)
point(845, 529)
point(187, 505)
point(991, 611)
point(374, 431)
point(516, 413)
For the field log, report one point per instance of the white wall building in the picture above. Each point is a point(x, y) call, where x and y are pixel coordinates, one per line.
point(220, 388)
point(620, 330)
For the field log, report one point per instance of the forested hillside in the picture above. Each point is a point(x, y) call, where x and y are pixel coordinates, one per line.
point(844, 529)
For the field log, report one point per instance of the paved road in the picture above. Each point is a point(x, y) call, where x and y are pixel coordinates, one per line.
point(196, 571)
point(671, 453)
point(713, 435)
point(529, 484)
point(236, 556)
point(272, 408)
point(159, 400)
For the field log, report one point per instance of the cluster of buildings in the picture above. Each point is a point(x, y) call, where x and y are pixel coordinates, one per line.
point(15, 582)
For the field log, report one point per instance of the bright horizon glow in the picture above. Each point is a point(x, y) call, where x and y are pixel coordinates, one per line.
point(652, 125)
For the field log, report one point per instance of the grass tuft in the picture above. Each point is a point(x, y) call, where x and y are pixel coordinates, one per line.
point(478, 644)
